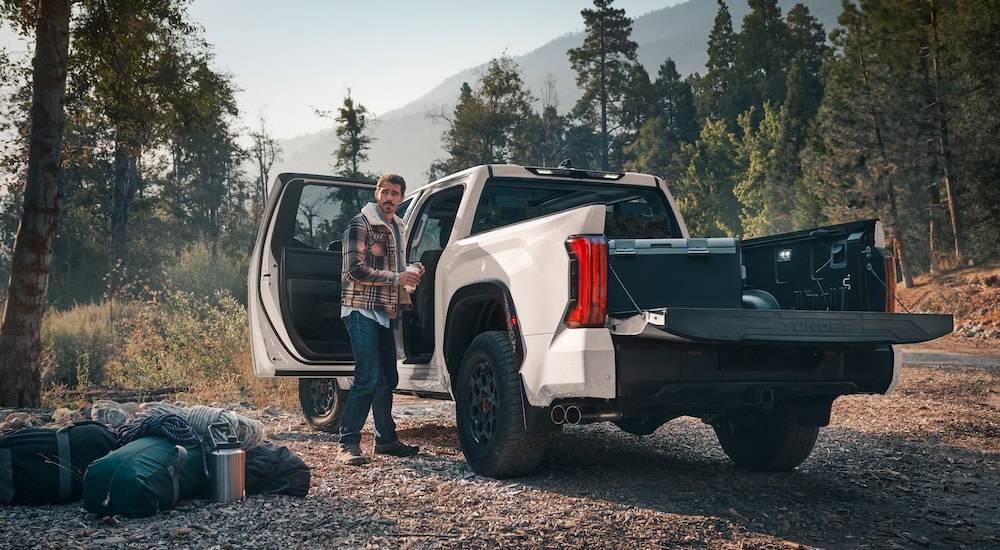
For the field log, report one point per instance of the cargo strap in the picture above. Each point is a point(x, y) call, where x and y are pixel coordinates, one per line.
point(65, 466)
point(176, 470)
point(627, 293)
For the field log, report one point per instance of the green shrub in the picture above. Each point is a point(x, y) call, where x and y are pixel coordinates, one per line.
point(198, 272)
point(175, 338)
point(169, 339)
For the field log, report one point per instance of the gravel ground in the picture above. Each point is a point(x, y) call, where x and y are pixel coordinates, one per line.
point(917, 469)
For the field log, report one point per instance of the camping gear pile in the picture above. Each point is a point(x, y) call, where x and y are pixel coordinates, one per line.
point(152, 460)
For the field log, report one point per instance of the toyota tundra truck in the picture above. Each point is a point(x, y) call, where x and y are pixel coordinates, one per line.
point(558, 296)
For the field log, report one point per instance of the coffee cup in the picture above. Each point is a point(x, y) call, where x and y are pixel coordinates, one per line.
point(412, 268)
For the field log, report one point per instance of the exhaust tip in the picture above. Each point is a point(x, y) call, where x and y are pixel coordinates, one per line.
point(558, 414)
point(573, 415)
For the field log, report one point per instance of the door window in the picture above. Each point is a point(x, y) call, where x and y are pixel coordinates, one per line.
point(323, 213)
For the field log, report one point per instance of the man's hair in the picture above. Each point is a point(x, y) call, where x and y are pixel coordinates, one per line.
point(394, 179)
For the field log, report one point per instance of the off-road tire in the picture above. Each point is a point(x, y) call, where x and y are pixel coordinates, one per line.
point(322, 403)
point(489, 411)
point(765, 441)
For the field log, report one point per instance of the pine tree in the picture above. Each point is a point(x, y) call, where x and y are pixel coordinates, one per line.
point(716, 100)
point(602, 65)
point(638, 105)
point(866, 156)
point(354, 121)
point(672, 122)
point(969, 35)
point(804, 92)
point(767, 190)
point(487, 121)
point(804, 86)
point(704, 188)
point(762, 58)
point(125, 56)
point(943, 95)
point(675, 103)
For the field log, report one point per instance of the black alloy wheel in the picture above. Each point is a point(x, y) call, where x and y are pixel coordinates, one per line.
point(322, 402)
point(490, 415)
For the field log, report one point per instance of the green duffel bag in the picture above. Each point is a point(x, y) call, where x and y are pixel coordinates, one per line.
point(143, 478)
point(46, 465)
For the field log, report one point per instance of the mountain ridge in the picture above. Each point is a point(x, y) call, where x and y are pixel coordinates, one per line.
point(407, 141)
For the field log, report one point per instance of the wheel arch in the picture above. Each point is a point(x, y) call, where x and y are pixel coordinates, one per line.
point(475, 308)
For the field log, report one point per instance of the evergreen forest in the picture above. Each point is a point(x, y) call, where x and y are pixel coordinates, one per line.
point(893, 114)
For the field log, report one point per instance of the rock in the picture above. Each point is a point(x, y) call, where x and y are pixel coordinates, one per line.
point(16, 421)
point(111, 413)
point(65, 417)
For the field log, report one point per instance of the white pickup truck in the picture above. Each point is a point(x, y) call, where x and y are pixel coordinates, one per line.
point(557, 296)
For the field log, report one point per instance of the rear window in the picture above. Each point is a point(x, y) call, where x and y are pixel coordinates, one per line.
point(632, 212)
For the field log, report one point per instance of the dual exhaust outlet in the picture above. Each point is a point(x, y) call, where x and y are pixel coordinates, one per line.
point(572, 414)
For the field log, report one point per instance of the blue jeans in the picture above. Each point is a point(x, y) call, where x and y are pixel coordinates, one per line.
point(375, 377)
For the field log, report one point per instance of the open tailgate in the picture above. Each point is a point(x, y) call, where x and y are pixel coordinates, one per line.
point(788, 326)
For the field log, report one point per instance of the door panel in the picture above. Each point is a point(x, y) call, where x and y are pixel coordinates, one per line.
point(295, 277)
point(312, 286)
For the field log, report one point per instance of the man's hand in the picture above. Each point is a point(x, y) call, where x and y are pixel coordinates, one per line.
point(410, 278)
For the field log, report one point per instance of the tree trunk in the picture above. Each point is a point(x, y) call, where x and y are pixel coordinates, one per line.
point(944, 143)
point(904, 262)
point(932, 207)
point(123, 191)
point(20, 336)
point(899, 247)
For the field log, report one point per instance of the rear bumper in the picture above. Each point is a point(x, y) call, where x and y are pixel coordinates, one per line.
point(695, 378)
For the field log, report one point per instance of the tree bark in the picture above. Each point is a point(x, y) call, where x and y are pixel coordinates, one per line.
point(20, 336)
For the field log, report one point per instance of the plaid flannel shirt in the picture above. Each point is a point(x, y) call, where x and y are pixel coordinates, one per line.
point(369, 269)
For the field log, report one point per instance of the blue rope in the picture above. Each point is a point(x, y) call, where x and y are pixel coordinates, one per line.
point(169, 426)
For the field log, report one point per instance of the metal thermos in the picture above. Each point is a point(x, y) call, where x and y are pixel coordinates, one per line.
point(226, 464)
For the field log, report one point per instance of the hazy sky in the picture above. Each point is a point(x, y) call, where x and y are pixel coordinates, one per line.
point(288, 56)
point(291, 55)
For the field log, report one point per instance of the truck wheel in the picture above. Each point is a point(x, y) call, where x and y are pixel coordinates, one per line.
point(322, 403)
point(640, 425)
point(765, 441)
point(489, 411)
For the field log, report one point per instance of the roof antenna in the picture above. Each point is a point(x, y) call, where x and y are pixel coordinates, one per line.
point(566, 164)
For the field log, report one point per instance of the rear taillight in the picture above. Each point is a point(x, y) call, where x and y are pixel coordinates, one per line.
point(890, 282)
point(588, 278)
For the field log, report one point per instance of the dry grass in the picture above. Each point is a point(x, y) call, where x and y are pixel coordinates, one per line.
point(170, 342)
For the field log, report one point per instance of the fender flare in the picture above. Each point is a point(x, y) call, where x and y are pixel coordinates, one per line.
point(488, 289)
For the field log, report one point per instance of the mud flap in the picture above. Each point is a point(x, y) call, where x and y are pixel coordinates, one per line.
point(537, 419)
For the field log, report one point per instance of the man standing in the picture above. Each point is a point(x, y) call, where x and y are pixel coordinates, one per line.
point(373, 276)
